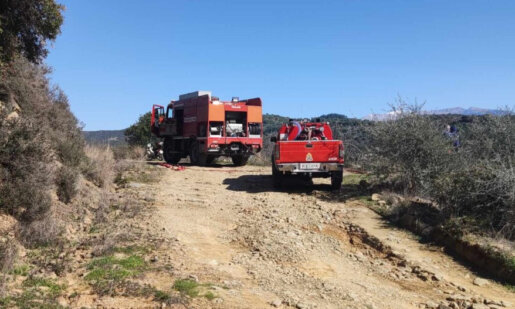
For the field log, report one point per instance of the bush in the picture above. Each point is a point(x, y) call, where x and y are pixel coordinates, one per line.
point(139, 134)
point(65, 131)
point(100, 165)
point(26, 174)
point(408, 149)
point(44, 231)
point(66, 181)
point(482, 184)
point(476, 180)
point(123, 152)
point(44, 131)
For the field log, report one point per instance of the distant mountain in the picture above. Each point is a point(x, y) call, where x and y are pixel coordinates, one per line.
point(104, 137)
point(471, 111)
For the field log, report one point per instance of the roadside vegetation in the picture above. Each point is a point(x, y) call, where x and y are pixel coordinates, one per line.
point(460, 195)
point(472, 183)
point(59, 211)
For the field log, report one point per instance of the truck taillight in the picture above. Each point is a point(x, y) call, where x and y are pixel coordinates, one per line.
point(277, 152)
point(341, 152)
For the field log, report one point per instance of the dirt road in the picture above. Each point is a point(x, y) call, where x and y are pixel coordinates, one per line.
point(300, 248)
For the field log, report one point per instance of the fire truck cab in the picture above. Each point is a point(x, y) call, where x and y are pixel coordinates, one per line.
point(203, 127)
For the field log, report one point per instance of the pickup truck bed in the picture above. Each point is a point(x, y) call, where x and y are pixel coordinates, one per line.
point(311, 157)
point(307, 150)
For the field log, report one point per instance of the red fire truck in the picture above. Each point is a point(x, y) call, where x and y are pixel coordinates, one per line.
point(203, 127)
point(307, 149)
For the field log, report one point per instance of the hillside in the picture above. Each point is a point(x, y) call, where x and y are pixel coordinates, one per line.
point(271, 123)
point(103, 137)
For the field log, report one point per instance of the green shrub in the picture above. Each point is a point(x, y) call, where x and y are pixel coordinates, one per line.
point(25, 171)
point(66, 182)
point(408, 149)
point(139, 134)
point(410, 153)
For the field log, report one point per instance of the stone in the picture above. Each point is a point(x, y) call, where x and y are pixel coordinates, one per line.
point(479, 306)
point(135, 185)
point(454, 305)
point(431, 305)
point(218, 300)
point(62, 302)
point(437, 277)
point(375, 197)
point(154, 259)
point(480, 282)
point(193, 277)
point(492, 302)
point(370, 306)
point(381, 203)
point(301, 306)
point(276, 303)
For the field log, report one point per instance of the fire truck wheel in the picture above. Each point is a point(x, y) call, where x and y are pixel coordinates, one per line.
point(168, 154)
point(239, 160)
point(336, 180)
point(194, 154)
point(210, 159)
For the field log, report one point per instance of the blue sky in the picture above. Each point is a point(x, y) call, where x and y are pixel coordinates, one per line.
point(115, 59)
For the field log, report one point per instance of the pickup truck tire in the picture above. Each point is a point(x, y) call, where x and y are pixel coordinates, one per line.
point(336, 180)
point(169, 152)
point(277, 177)
point(240, 160)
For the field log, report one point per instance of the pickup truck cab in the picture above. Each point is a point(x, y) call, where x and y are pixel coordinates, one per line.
point(307, 149)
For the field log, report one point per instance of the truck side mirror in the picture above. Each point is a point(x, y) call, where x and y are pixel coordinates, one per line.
point(273, 139)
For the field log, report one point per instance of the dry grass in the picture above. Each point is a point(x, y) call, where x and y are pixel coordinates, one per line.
point(100, 166)
point(8, 256)
point(125, 152)
point(41, 232)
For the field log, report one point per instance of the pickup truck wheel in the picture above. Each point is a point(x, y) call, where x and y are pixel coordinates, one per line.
point(336, 180)
point(277, 177)
point(240, 160)
point(169, 152)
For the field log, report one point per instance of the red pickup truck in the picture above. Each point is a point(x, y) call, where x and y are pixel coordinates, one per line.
point(307, 149)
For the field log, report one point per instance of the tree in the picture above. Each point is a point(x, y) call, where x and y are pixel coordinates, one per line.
point(139, 133)
point(26, 26)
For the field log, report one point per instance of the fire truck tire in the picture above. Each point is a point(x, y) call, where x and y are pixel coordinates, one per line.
point(240, 160)
point(168, 154)
point(194, 154)
point(210, 159)
point(336, 180)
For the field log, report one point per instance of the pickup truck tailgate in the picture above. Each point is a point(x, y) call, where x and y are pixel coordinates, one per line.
point(313, 151)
